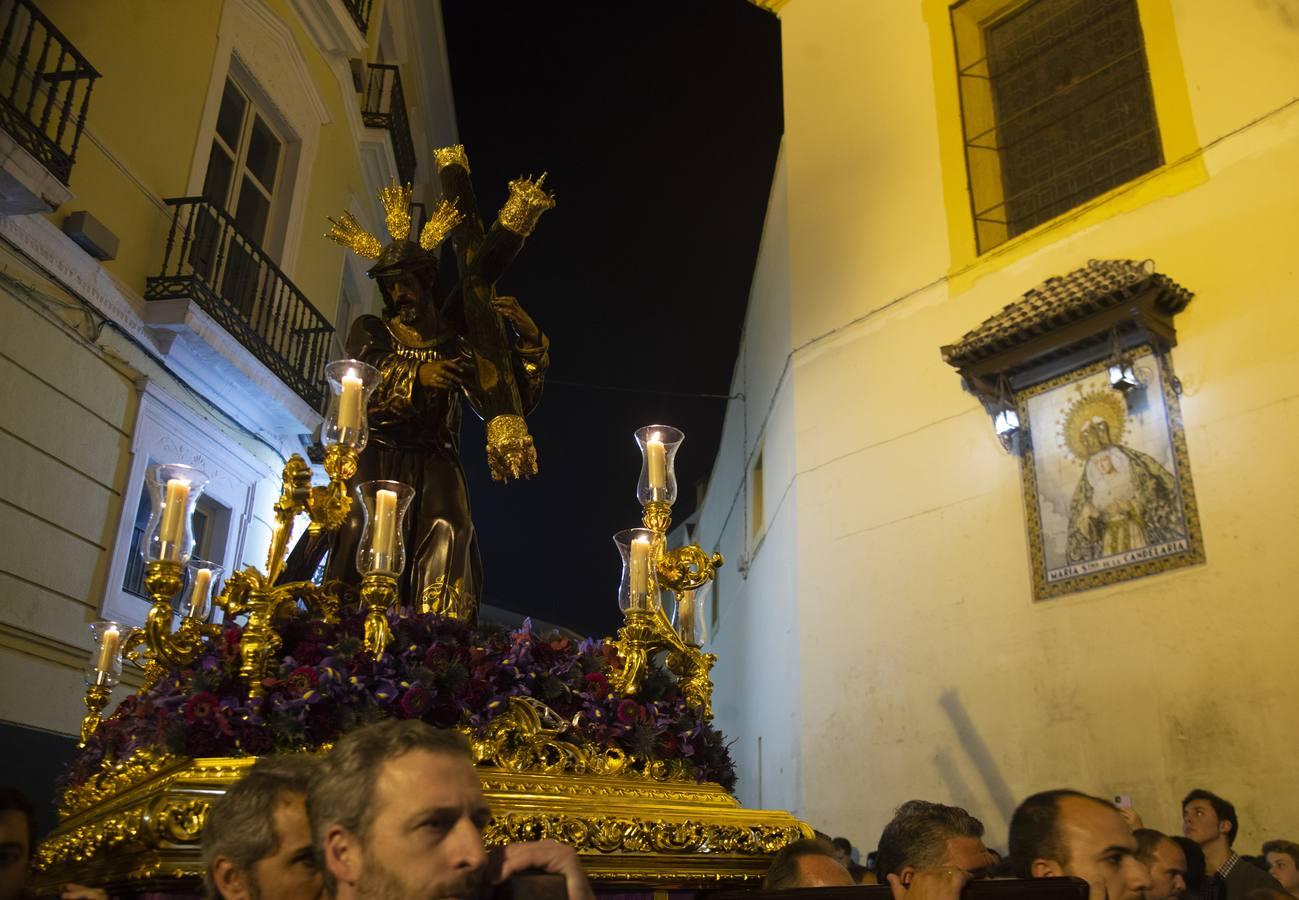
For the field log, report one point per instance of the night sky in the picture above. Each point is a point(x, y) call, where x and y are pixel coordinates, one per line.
point(658, 125)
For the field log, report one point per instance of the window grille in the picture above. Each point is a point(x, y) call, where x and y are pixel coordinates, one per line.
point(1056, 105)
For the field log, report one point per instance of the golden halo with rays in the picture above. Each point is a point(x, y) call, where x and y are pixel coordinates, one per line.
point(1103, 403)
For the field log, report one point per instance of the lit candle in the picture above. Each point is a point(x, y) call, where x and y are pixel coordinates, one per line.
point(656, 461)
point(109, 641)
point(686, 616)
point(638, 572)
point(198, 597)
point(349, 403)
point(174, 504)
point(385, 527)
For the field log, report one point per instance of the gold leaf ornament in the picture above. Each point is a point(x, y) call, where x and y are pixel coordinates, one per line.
point(441, 222)
point(396, 210)
point(347, 231)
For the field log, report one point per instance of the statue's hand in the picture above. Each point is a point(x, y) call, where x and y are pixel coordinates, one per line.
point(443, 374)
point(509, 309)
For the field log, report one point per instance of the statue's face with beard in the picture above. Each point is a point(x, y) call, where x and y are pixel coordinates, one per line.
point(406, 297)
point(424, 841)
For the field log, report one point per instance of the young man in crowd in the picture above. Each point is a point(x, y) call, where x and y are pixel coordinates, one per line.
point(809, 863)
point(257, 841)
point(1283, 864)
point(1167, 864)
point(397, 812)
point(1066, 832)
point(925, 835)
point(1211, 822)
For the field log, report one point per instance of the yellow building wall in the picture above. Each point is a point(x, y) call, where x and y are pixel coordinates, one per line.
point(927, 668)
point(156, 61)
point(67, 409)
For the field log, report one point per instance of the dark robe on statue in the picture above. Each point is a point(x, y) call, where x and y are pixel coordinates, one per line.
point(415, 439)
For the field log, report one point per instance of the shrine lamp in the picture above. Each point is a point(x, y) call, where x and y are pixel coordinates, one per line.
point(638, 588)
point(658, 478)
point(173, 493)
point(351, 382)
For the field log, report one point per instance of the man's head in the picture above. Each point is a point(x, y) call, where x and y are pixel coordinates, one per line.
point(397, 811)
point(842, 850)
point(1283, 863)
point(17, 838)
point(1070, 833)
point(806, 864)
point(1207, 818)
point(408, 281)
point(257, 842)
point(1166, 861)
point(927, 835)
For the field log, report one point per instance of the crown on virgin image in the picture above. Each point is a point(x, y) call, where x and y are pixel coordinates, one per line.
point(395, 198)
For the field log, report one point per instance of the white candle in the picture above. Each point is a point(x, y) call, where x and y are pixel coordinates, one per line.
point(198, 597)
point(638, 572)
point(656, 461)
point(385, 527)
point(686, 616)
point(174, 504)
point(349, 403)
point(109, 641)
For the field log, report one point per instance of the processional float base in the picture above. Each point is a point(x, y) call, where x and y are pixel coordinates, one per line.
point(138, 830)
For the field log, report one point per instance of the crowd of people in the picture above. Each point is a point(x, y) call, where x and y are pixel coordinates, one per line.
point(929, 851)
point(396, 812)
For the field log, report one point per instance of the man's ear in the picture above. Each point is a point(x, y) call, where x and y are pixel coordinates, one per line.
point(1045, 868)
point(1224, 827)
point(342, 855)
point(231, 882)
point(905, 874)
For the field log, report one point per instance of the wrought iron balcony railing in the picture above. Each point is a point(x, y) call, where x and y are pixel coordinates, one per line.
point(385, 107)
point(44, 87)
point(359, 10)
point(210, 261)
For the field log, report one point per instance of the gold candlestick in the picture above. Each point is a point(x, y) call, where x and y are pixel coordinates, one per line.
point(378, 592)
point(96, 700)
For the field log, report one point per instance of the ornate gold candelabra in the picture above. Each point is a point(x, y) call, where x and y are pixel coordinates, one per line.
point(647, 629)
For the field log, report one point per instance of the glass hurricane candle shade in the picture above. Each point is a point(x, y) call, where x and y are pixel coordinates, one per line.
point(382, 549)
point(638, 588)
point(351, 382)
point(658, 478)
point(204, 578)
point(173, 492)
point(690, 617)
point(105, 666)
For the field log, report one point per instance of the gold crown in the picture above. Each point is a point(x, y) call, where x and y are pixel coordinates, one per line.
point(347, 231)
point(526, 203)
point(444, 219)
point(451, 156)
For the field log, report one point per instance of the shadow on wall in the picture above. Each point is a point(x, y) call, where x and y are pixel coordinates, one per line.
point(977, 750)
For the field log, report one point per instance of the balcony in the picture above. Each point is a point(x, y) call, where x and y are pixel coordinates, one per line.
point(359, 10)
point(45, 87)
point(210, 263)
point(384, 107)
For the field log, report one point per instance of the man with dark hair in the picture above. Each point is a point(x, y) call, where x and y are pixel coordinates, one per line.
point(809, 863)
point(1166, 861)
point(17, 839)
point(842, 850)
point(1283, 864)
point(257, 842)
point(924, 835)
point(1211, 822)
point(1065, 832)
point(397, 812)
